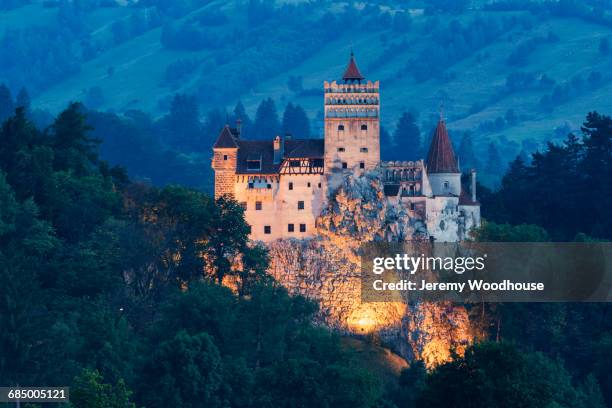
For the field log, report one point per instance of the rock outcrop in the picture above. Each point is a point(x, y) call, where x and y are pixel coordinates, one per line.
point(326, 269)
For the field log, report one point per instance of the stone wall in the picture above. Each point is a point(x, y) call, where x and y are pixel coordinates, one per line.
point(224, 164)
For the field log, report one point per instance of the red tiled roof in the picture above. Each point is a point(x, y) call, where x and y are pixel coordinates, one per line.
point(352, 72)
point(225, 139)
point(441, 157)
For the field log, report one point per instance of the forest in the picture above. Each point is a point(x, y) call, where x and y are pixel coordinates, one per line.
point(111, 286)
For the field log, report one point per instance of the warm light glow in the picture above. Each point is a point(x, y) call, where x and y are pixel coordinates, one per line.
point(370, 317)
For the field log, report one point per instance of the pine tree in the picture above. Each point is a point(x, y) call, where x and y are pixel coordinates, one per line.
point(597, 171)
point(295, 121)
point(23, 99)
point(7, 106)
point(183, 121)
point(266, 120)
point(215, 120)
point(74, 149)
point(240, 113)
point(407, 138)
point(515, 185)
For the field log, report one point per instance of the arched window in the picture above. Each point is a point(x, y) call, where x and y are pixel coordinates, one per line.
point(340, 127)
point(364, 127)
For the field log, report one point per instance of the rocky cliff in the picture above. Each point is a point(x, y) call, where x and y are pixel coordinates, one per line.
point(327, 269)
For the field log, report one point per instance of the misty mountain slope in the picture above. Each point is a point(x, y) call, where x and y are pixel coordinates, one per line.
point(510, 74)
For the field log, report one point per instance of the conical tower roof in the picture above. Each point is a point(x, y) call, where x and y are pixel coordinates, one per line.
point(225, 139)
point(441, 156)
point(352, 72)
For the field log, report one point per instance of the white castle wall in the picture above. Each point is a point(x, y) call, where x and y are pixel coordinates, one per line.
point(438, 183)
point(280, 206)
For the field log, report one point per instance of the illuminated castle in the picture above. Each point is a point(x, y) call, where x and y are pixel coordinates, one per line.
point(283, 183)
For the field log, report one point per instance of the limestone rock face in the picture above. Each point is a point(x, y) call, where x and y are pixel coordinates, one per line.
point(326, 269)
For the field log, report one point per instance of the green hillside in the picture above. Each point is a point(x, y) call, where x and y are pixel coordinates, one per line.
point(421, 61)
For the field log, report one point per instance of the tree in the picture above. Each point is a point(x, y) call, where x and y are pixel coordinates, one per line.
point(492, 232)
point(24, 157)
point(184, 127)
point(185, 371)
point(90, 391)
point(255, 262)
point(239, 113)
point(407, 138)
point(25, 243)
point(488, 371)
point(597, 171)
point(6, 103)
point(266, 120)
point(23, 99)
point(295, 121)
point(74, 149)
point(228, 237)
point(216, 119)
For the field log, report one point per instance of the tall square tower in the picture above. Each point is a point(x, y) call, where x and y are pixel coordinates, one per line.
point(352, 122)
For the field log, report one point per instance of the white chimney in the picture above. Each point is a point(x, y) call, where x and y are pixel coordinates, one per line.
point(474, 185)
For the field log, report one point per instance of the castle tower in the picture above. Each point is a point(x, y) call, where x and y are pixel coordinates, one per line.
point(225, 157)
point(442, 168)
point(352, 122)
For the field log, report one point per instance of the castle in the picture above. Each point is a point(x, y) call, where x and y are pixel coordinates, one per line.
point(283, 183)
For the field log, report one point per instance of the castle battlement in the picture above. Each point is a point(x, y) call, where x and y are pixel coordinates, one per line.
point(283, 184)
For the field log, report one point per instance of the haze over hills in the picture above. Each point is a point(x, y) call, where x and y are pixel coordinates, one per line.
point(514, 72)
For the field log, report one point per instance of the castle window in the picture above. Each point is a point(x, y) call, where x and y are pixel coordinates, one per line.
point(268, 185)
point(319, 185)
point(364, 127)
point(251, 184)
point(258, 205)
point(412, 206)
point(290, 186)
point(442, 225)
point(341, 149)
point(340, 127)
point(361, 165)
point(254, 163)
point(300, 205)
point(446, 185)
point(302, 227)
point(225, 157)
point(243, 204)
point(344, 165)
point(267, 229)
point(363, 150)
point(290, 227)
point(308, 184)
